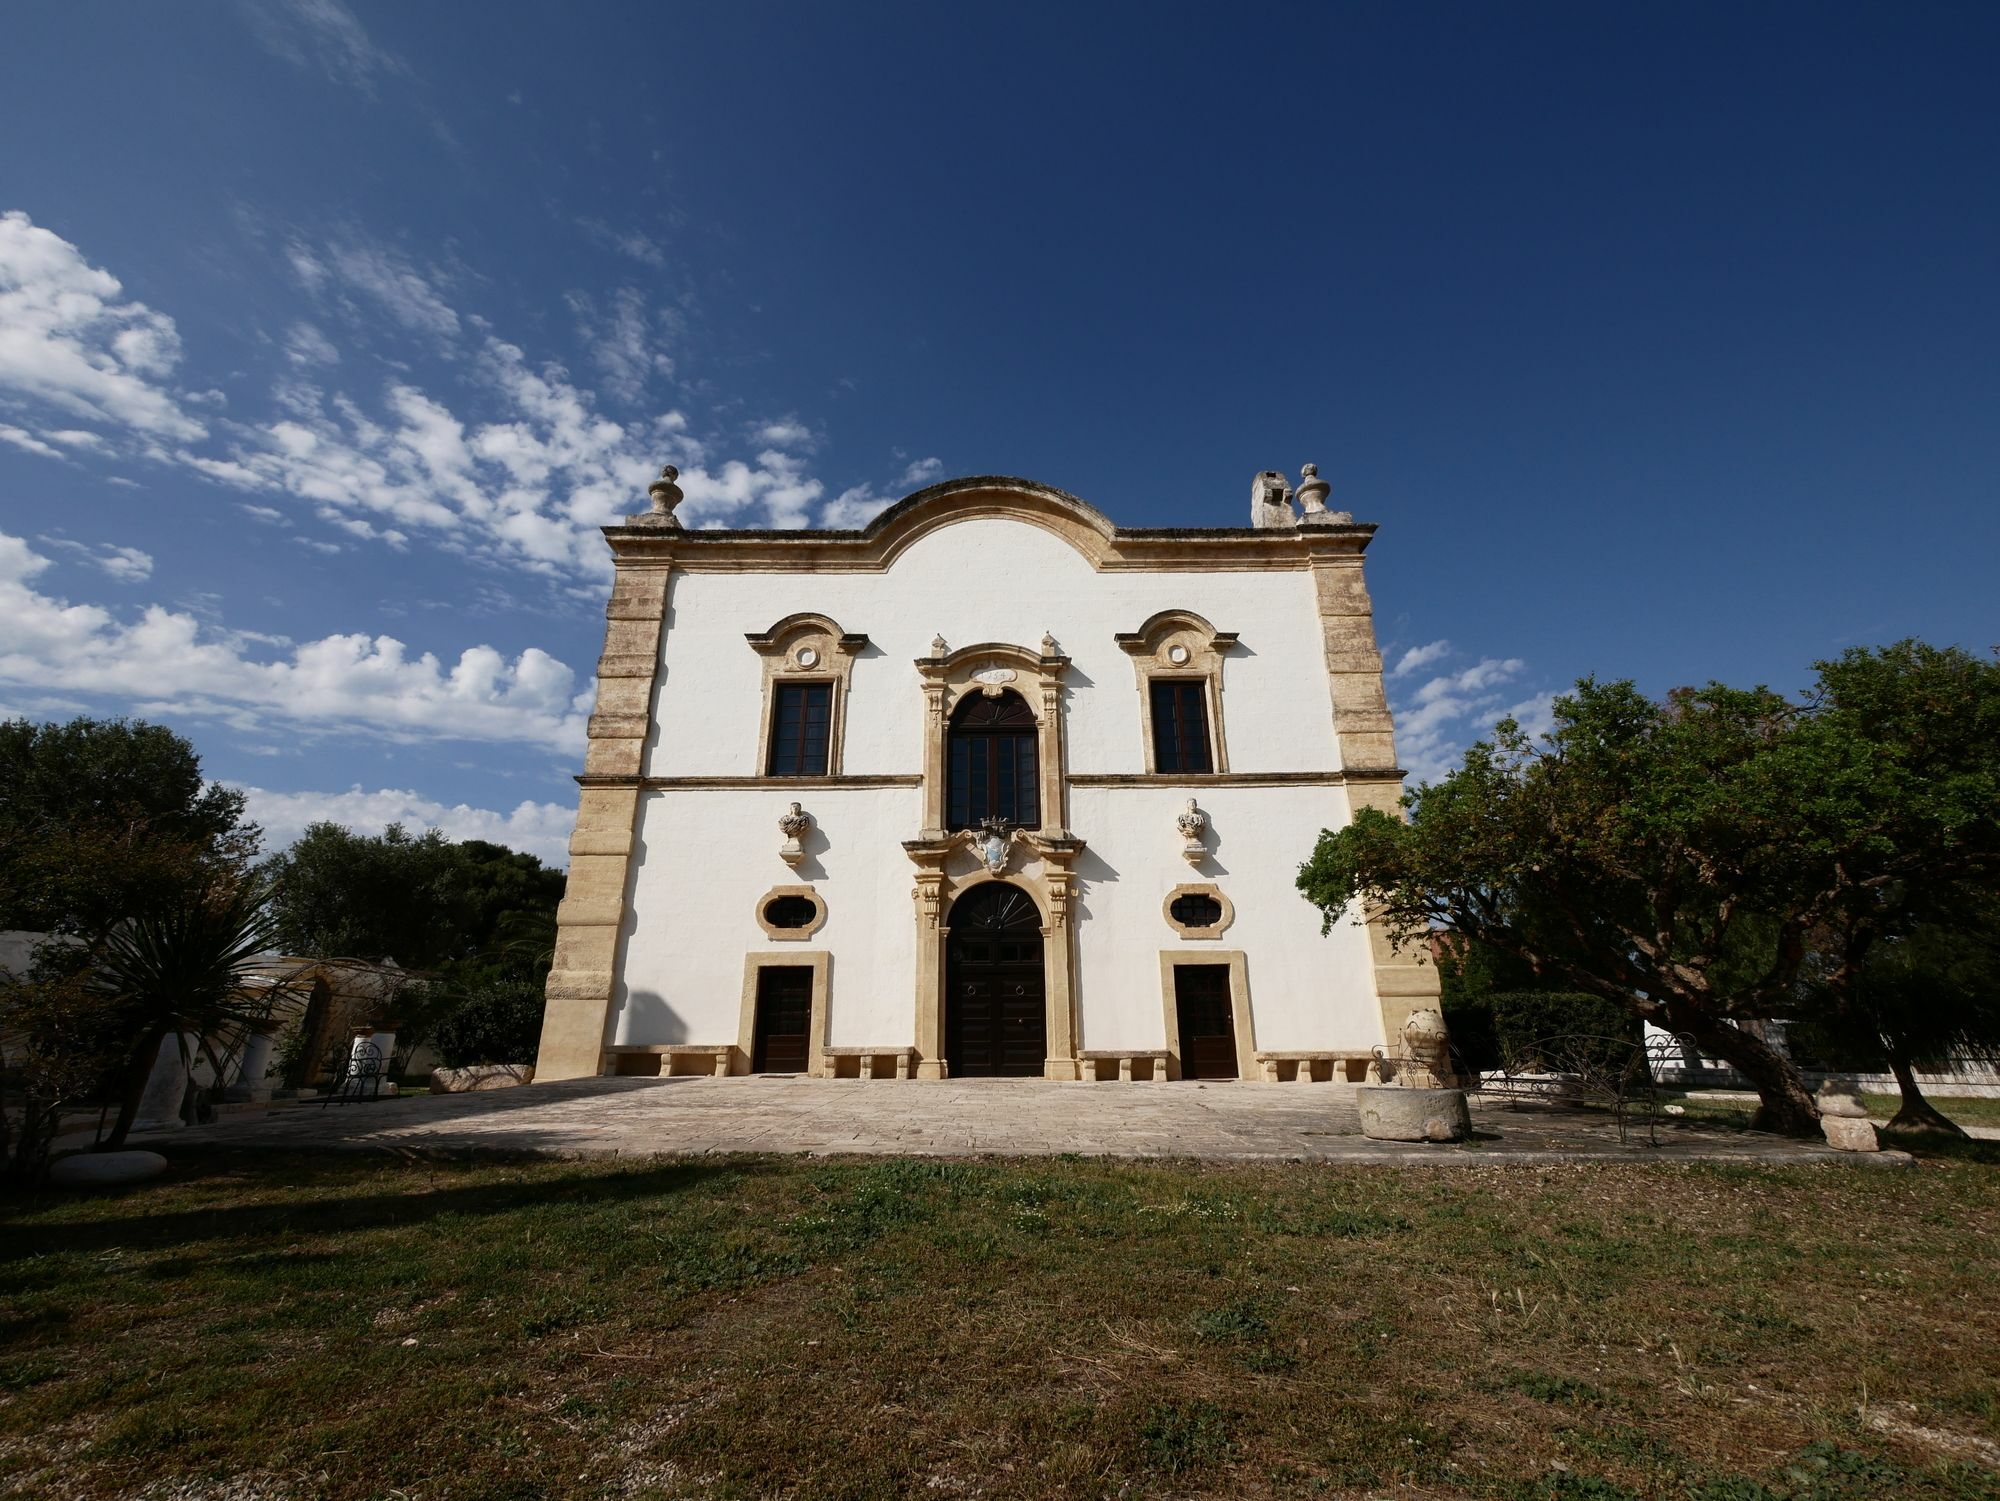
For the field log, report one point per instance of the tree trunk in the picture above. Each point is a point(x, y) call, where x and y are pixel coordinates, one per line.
point(135, 1092)
point(1784, 1104)
point(1918, 1113)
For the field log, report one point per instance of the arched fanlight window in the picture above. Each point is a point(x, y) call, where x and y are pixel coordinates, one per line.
point(992, 765)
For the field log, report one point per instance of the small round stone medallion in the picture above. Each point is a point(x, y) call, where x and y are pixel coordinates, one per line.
point(808, 657)
point(1177, 654)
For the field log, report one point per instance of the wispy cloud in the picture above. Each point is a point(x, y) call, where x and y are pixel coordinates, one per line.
point(323, 35)
point(381, 274)
point(128, 565)
point(1442, 715)
point(628, 242)
point(538, 829)
point(170, 661)
point(627, 341)
point(1420, 656)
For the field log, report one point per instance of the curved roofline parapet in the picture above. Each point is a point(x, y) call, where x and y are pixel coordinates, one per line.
point(876, 546)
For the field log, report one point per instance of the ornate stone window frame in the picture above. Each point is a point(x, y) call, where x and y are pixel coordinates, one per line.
point(949, 677)
point(820, 962)
point(791, 935)
point(1239, 1006)
point(1200, 648)
point(1199, 888)
point(806, 648)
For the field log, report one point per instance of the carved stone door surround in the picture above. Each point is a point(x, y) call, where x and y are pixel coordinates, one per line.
point(1040, 861)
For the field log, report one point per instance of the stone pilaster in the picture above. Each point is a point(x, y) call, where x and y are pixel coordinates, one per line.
point(1405, 979)
point(590, 919)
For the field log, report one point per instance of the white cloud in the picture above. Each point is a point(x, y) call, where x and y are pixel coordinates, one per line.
point(789, 433)
point(381, 274)
point(854, 507)
point(71, 341)
point(1447, 712)
point(23, 439)
point(306, 345)
point(128, 565)
point(521, 464)
point(1420, 656)
point(321, 33)
point(626, 242)
point(538, 829)
point(169, 661)
point(923, 472)
point(627, 342)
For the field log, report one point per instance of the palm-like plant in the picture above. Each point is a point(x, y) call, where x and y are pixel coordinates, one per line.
point(186, 970)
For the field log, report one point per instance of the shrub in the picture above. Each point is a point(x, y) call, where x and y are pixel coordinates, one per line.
point(1564, 1031)
point(498, 1023)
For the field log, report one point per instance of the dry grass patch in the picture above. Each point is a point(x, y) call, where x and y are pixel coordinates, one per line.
point(342, 1327)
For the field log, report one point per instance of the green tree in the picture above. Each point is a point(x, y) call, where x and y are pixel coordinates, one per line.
point(470, 911)
point(1677, 856)
point(1916, 1001)
point(101, 819)
point(391, 895)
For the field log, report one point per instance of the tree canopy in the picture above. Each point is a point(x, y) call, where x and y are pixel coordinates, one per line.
point(473, 908)
point(105, 819)
point(1680, 856)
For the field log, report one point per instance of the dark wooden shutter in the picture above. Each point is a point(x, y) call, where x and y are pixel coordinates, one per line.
point(1180, 726)
point(801, 729)
point(993, 767)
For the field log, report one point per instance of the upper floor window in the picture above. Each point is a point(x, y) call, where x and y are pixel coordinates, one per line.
point(992, 765)
point(1180, 725)
point(801, 729)
point(807, 662)
point(1179, 658)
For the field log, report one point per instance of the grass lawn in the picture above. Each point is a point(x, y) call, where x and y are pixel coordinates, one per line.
point(347, 1326)
point(1974, 1111)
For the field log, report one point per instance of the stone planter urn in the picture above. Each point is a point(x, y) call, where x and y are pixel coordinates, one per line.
point(1404, 1112)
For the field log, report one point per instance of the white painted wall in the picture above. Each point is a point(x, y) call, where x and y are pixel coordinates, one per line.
point(705, 859)
point(990, 580)
point(1306, 991)
point(706, 856)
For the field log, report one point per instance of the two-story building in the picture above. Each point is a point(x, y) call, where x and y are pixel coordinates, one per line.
point(989, 787)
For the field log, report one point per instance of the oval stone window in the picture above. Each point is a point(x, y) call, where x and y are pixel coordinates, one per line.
point(1195, 910)
point(790, 911)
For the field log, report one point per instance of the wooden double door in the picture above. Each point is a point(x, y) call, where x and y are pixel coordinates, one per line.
point(996, 1009)
point(782, 1038)
point(1207, 1021)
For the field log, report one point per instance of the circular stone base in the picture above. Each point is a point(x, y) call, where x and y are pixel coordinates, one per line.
point(1390, 1112)
point(105, 1169)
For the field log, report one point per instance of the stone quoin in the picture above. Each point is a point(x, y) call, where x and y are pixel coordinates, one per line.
point(1041, 786)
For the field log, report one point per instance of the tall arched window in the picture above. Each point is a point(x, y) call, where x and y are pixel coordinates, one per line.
point(991, 769)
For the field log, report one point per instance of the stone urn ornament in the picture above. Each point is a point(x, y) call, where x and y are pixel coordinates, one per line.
point(794, 824)
point(1422, 1103)
point(665, 494)
point(1427, 1044)
point(1191, 821)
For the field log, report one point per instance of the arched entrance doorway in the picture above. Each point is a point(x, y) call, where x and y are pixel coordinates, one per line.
point(995, 1017)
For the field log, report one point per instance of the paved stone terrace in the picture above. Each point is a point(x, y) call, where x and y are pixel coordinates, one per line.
point(1002, 1117)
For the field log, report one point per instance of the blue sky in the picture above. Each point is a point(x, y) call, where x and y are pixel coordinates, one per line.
point(1662, 343)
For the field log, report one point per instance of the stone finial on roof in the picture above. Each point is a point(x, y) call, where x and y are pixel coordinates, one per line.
point(938, 646)
point(666, 495)
point(1312, 496)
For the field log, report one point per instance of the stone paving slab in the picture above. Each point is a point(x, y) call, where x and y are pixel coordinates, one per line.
point(1225, 1122)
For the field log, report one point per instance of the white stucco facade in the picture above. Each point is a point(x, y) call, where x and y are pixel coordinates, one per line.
point(974, 587)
